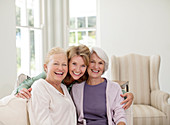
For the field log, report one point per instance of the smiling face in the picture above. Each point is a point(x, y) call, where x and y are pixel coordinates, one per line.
point(96, 66)
point(77, 67)
point(56, 68)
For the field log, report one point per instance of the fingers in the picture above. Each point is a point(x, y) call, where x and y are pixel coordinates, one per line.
point(24, 93)
point(30, 89)
point(128, 101)
point(124, 95)
point(121, 95)
point(22, 96)
point(17, 95)
point(124, 101)
point(128, 95)
point(127, 105)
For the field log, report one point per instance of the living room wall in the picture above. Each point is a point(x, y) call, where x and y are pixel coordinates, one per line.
point(7, 47)
point(137, 26)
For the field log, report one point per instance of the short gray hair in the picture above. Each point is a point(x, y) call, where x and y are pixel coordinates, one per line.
point(101, 54)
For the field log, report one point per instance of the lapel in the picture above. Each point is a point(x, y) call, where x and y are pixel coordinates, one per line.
point(82, 98)
point(108, 103)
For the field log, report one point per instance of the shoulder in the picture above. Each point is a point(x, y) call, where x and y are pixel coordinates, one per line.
point(112, 84)
point(113, 87)
point(77, 88)
point(39, 84)
point(78, 85)
point(113, 90)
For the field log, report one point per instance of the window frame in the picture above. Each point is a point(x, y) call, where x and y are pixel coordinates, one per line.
point(86, 29)
point(25, 46)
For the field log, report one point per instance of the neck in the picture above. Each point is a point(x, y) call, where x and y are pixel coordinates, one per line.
point(94, 81)
point(56, 85)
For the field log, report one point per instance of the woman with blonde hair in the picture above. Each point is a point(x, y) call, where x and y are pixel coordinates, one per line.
point(97, 99)
point(78, 61)
point(50, 99)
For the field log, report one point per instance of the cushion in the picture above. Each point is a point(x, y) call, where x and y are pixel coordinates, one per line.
point(147, 115)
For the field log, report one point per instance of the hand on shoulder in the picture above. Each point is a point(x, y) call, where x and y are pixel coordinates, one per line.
point(24, 93)
point(128, 101)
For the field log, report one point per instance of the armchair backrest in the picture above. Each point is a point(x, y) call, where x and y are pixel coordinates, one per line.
point(141, 72)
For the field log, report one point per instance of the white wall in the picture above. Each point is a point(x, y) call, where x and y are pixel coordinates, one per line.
point(137, 26)
point(7, 47)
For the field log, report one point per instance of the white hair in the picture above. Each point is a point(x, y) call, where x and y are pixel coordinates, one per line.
point(101, 54)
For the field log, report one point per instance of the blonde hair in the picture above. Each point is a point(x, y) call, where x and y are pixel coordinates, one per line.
point(81, 50)
point(55, 50)
point(84, 52)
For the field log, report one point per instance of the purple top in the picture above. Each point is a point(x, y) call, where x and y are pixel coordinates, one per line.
point(115, 112)
point(94, 104)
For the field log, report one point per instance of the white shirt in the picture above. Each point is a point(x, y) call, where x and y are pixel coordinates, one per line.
point(48, 106)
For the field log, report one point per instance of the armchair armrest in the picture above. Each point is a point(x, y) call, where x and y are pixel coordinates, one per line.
point(123, 84)
point(159, 99)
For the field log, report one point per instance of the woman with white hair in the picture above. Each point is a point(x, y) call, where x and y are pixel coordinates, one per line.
point(97, 99)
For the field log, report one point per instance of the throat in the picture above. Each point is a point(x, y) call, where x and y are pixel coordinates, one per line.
point(56, 86)
point(94, 81)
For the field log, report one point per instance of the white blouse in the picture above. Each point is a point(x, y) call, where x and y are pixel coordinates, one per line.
point(48, 106)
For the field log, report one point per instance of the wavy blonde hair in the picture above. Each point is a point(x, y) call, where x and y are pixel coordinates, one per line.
point(84, 52)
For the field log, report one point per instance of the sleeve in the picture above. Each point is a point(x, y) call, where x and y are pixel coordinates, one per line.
point(119, 112)
point(28, 82)
point(76, 97)
point(38, 106)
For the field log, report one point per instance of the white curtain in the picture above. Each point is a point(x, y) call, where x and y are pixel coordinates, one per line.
point(56, 24)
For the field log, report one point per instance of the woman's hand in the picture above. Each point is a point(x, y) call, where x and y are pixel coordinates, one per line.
point(128, 101)
point(121, 123)
point(24, 93)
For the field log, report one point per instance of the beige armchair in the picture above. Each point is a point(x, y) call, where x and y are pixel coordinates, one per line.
point(150, 104)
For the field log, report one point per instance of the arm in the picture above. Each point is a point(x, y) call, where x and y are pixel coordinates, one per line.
point(159, 99)
point(119, 113)
point(128, 101)
point(38, 106)
point(128, 97)
point(26, 84)
point(121, 123)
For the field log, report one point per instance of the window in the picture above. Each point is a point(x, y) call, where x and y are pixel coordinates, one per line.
point(29, 36)
point(82, 22)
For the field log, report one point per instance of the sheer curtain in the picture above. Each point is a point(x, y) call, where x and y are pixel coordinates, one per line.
point(56, 24)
